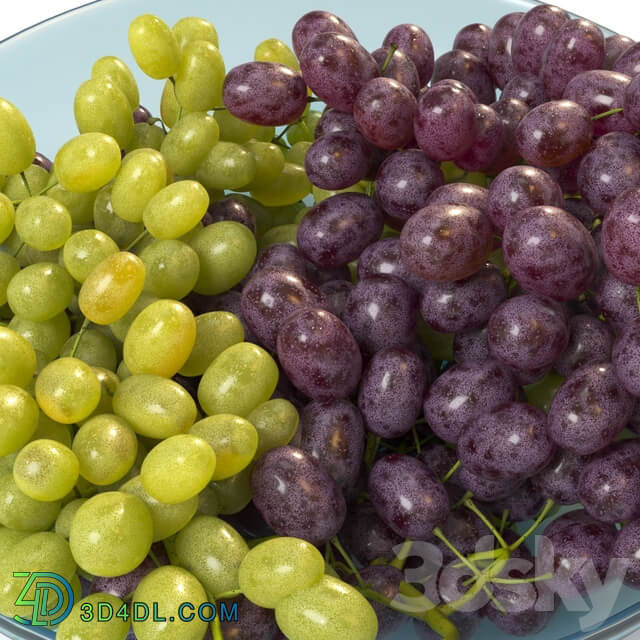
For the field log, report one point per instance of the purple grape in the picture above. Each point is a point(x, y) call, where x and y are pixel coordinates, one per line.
point(533, 34)
point(271, 296)
point(527, 332)
point(440, 458)
point(474, 38)
point(580, 210)
point(400, 68)
point(463, 529)
point(487, 143)
point(383, 258)
point(512, 112)
point(483, 488)
point(320, 276)
point(391, 392)
point(296, 495)
point(414, 42)
point(141, 114)
point(281, 255)
point(634, 421)
point(230, 209)
point(590, 341)
point(501, 65)
point(471, 346)
point(264, 93)
point(626, 357)
point(446, 242)
point(333, 433)
point(617, 301)
point(559, 480)
point(249, 522)
point(453, 84)
point(463, 393)
point(445, 123)
point(523, 504)
point(629, 61)
point(381, 311)
point(526, 377)
point(253, 622)
point(42, 161)
point(319, 354)
point(337, 160)
point(621, 237)
point(554, 133)
point(338, 229)
point(627, 545)
point(336, 292)
point(468, 69)
point(631, 103)
point(570, 518)
point(461, 193)
point(408, 496)
point(518, 188)
point(332, 121)
point(550, 253)
point(466, 624)
point(316, 22)
point(615, 45)
point(526, 87)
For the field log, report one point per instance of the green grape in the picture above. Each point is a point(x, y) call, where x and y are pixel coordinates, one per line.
point(440, 344)
point(213, 551)
point(269, 162)
point(87, 162)
point(85, 250)
point(7, 217)
point(200, 76)
point(146, 136)
point(178, 468)
point(77, 627)
point(79, 205)
point(276, 422)
point(541, 393)
point(187, 30)
point(207, 502)
point(227, 166)
point(226, 251)
point(142, 174)
point(45, 470)
point(49, 429)
point(215, 331)
point(303, 614)
point(6, 463)
point(37, 179)
point(234, 493)
point(8, 268)
point(322, 194)
point(154, 406)
point(101, 106)
point(189, 141)
point(172, 268)
point(65, 517)
point(67, 390)
point(278, 568)
point(168, 587)
point(289, 187)
point(301, 214)
point(274, 50)
point(40, 291)
point(233, 439)
point(169, 107)
point(282, 234)
point(43, 223)
point(111, 534)
point(238, 380)
point(17, 144)
point(120, 327)
point(17, 359)
point(176, 209)
point(297, 153)
point(154, 46)
point(18, 417)
point(19, 511)
point(46, 337)
point(160, 339)
point(285, 214)
point(109, 382)
point(106, 448)
point(233, 129)
point(94, 348)
point(123, 371)
point(28, 255)
point(117, 72)
point(105, 220)
point(111, 288)
point(9, 538)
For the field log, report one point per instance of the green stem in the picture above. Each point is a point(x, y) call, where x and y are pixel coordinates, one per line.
point(543, 514)
point(135, 241)
point(545, 576)
point(472, 507)
point(401, 558)
point(451, 471)
point(503, 520)
point(216, 629)
point(336, 543)
point(283, 132)
point(76, 344)
point(467, 495)
point(154, 557)
point(387, 60)
point(437, 532)
point(452, 607)
point(25, 182)
point(638, 297)
point(604, 114)
point(152, 121)
point(19, 249)
point(48, 188)
point(416, 440)
point(371, 449)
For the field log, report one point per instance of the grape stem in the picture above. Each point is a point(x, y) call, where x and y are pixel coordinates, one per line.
point(451, 471)
point(472, 507)
point(26, 183)
point(76, 344)
point(544, 576)
point(543, 514)
point(416, 440)
point(503, 520)
point(18, 250)
point(371, 450)
point(604, 114)
point(638, 297)
point(401, 558)
point(467, 495)
point(336, 543)
point(387, 60)
point(438, 533)
point(135, 241)
point(154, 557)
point(152, 121)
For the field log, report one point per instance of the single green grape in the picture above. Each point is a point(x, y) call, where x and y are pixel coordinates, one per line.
point(37, 178)
point(154, 406)
point(213, 551)
point(172, 268)
point(8, 268)
point(207, 502)
point(67, 390)
point(234, 493)
point(120, 327)
point(85, 250)
point(303, 614)
point(111, 534)
point(101, 106)
point(233, 439)
point(188, 29)
point(9, 538)
point(233, 129)
point(160, 339)
point(269, 162)
point(116, 71)
point(94, 348)
point(227, 166)
point(17, 358)
point(142, 174)
point(200, 76)
point(278, 568)
point(43, 223)
point(304, 130)
point(215, 331)
point(79, 205)
point(18, 418)
point(285, 214)
point(189, 141)
point(47, 337)
point(322, 194)
point(106, 220)
point(169, 107)
point(290, 186)
point(146, 136)
point(45, 470)
point(274, 50)
point(168, 587)
point(17, 144)
point(109, 382)
point(49, 429)
point(176, 209)
point(19, 511)
point(87, 162)
point(154, 46)
point(178, 468)
point(243, 376)
point(226, 251)
point(282, 234)
point(7, 217)
point(40, 291)
point(66, 515)
point(106, 447)
point(112, 287)
point(276, 422)
point(114, 624)
point(297, 153)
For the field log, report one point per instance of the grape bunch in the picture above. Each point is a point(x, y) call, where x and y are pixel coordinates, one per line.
point(331, 337)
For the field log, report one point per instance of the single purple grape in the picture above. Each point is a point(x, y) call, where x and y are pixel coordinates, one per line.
point(617, 301)
point(416, 44)
point(336, 293)
point(487, 143)
point(252, 623)
point(590, 341)
point(408, 496)
point(281, 255)
point(615, 45)
point(297, 496)
point(471, 346)
point(463, 529)
point(468, 69)
point(526, 87)
point(570, 518)
point(631, 103)
point(42, 161)
point(320, 276)
point(501, 65)
point(400, 68)
point(383, 258)
point(527, 332)
point(580, 210)
point(626, 357)
point(338, 229)
point(523, 504)
point(230, 209)
point(461, 193)
point(474, 38)
point(525, 377)
point(319, 354)
point(518, 188)
point(629, 61)
point(512, 112)
point(634, 421)
point(440, 458)
point(621, 237)
point(483, 488)
point(332, 121)
point(452, 84)
point(316, 22)
point(141, 114)
point(559, 480)
point(627, 545)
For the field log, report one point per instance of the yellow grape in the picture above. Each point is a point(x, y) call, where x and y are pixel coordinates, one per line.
point(289, 187)
point(172, 268)
point(169, 107)
point(120, 327)
point(188, 29)
point(119, 73)
point(274, 50)
point(18, 418)
point(49, 429)
point(17, 358)
point(79, 205)
point(269, 162)
point(276, 422)
point(19, 511)
point(154, 46)
point(200, 76)
point(227, 166)
point(106, 220)
point(17, 144)
point(85, 250)
point(43, 223)
point(113, 627)
point(7, 217)
point(233, 129)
